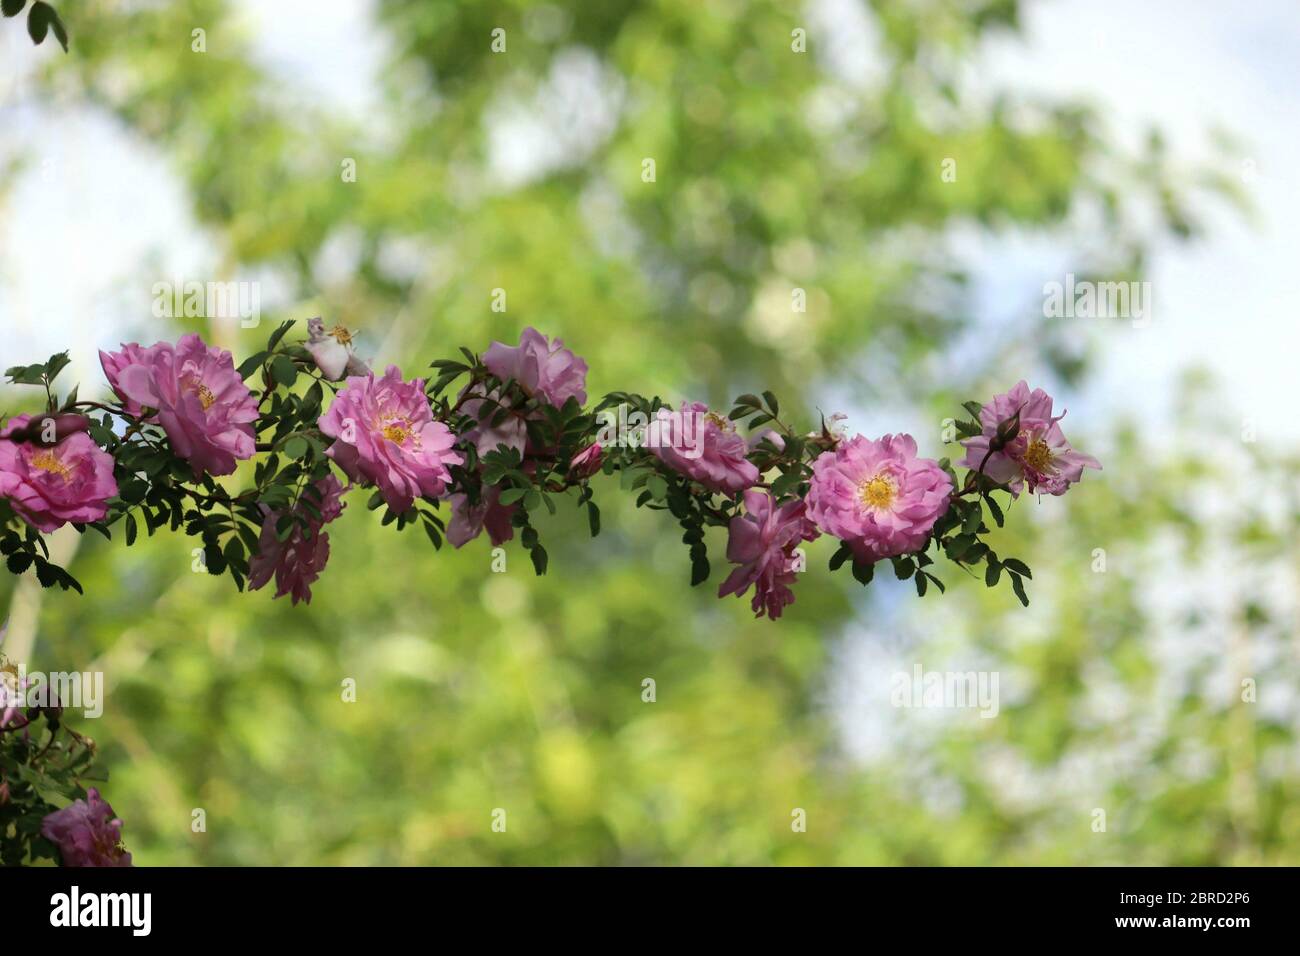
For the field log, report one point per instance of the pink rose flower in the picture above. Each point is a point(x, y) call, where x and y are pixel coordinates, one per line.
point(201, 402)
point(588, 461)
point(114, 363)
point(384, 434)
point(1037, 453)
point(702, 445)
point(877, 495)
point(467, 522)
point(297, 561)
point(541, 367)
point(48, 486)
point(762, 542)
point(87, 833)
point(333, 351)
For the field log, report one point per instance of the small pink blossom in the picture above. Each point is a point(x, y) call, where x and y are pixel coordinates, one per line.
point(333, 351)
point(467, 522)
point(1037, 454)
point(704, 446)
point(199, 399)
point(49, 486)
point(384, 434)
point(298, 560)
point(541, 367)
point(877, 495)
point(762, 542)
point(87, 833)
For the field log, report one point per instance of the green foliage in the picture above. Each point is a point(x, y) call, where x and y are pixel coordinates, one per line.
point(479, 690)
point(44, 765)
point(42, 19)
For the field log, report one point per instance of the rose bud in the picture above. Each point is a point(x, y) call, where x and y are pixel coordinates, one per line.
point(42, 427)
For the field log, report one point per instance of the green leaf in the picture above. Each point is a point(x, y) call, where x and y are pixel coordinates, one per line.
point(283, 371)
point(512, 495)
point(131, 530)
point(134, 490)
point(959, 545)
point(26, 374)
point(60, 32)
point(38, 21)
point(994, 509)
point(278, 334)
point(251, 364)
point(1018, 585)
point(699, 568)
point(11, 8)
point(840, 556)
point(296, 447)
point(864, 571)
point(993, 573)
point(1017, 566)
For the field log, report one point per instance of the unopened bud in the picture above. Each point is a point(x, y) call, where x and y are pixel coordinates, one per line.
point(50, 429)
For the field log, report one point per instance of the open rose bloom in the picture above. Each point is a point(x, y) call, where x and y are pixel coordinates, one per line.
point(878, 496)
point(298, 560)
point(704, 446)
point(384, 434)
point(1037, 455)
point(542, 367)
point(197, 396)
point(333, 352)
point(49, 486)
point(87, 833)
point(762, 542)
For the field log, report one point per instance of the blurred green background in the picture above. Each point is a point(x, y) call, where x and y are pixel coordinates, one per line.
point(775, 170)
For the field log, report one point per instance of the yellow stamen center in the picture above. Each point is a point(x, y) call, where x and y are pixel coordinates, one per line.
point(718, 420)
point(341, 335)
point(1038, 456)
point(205, 394)
point(396, 431)
point(47, 461)
point(879, 492)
